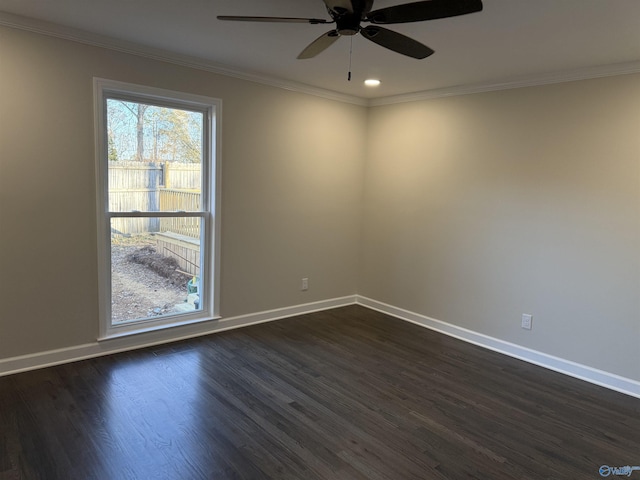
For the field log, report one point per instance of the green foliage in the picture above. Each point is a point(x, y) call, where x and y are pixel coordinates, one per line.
point(113, 152)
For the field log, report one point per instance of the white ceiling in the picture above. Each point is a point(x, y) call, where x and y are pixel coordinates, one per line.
point(507, 41)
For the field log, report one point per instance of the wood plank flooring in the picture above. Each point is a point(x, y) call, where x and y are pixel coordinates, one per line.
point(344, 394)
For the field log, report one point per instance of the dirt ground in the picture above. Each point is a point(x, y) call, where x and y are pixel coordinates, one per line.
point(137, 290)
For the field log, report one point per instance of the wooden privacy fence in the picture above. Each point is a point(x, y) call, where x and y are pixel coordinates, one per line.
point(182, 176)
point(172, 199)
point(152, 187)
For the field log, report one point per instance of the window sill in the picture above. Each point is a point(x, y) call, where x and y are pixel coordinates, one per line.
point(149, 327)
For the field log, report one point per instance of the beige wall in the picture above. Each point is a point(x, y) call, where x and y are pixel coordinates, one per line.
point(476, 208)
point(291, 201)
point(480, 208)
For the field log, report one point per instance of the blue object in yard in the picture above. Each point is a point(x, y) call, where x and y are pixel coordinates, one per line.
point(193, 286)
point(193, 292)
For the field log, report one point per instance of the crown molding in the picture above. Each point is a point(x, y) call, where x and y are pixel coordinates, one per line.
point(93, 39)
point(89, 38)
point(517, 82)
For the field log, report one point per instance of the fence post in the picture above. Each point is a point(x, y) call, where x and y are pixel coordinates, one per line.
point(166, 175)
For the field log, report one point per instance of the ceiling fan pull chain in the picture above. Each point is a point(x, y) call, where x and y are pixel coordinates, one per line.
point(350, 55)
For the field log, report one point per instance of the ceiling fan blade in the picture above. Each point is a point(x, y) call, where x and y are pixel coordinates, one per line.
point(396, 41)
point(274, 19)
point(425, 10)
point(319, 45)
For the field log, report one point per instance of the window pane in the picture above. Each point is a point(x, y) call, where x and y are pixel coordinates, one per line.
point(154, 158)
point(155, 267)
point(157, 191)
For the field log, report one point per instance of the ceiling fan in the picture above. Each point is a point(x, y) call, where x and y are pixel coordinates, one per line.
point(348, 14)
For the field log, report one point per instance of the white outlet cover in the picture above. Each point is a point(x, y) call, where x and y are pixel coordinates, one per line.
point(526, 321)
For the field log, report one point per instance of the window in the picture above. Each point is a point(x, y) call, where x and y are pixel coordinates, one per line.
point(158, 208)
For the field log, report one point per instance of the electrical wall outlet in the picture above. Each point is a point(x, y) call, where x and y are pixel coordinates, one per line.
point(304, 284)
point(526, 321)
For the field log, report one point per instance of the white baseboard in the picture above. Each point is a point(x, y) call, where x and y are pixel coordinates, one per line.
point(567, 367)
point(50, 358)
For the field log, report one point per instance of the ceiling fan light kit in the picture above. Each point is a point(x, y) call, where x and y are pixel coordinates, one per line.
point(349, 14)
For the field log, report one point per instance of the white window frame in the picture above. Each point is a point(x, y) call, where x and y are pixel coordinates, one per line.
point(210, 214)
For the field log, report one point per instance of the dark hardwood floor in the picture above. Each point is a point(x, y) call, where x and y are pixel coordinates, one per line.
point(343, 394)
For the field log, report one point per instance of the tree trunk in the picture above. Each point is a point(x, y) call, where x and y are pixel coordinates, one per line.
point(140, 132)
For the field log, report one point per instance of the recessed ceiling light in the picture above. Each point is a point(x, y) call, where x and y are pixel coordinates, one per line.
point(372, 82)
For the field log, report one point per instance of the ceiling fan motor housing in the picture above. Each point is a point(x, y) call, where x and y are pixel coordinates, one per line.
point(348, 24)
point(348, 21)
